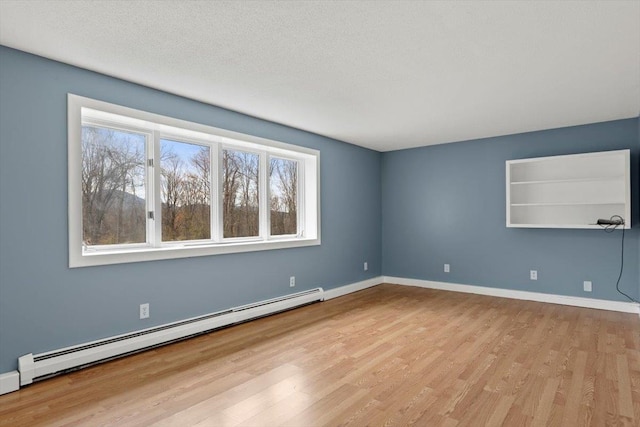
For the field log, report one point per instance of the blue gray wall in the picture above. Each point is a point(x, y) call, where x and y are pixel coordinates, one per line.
point(446, 204)
point(44, 305)
point(414, 209)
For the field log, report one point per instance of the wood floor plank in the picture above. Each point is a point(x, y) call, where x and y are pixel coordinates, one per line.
point(386, 356)
point(545, 404)
point(574, 395)
point(500, 411)
point(625, 401)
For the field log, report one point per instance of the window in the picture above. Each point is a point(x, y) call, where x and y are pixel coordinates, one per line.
point(144, 187)
point(283, 190)
point(240, 193)
point(113, 186)
point(185, 177)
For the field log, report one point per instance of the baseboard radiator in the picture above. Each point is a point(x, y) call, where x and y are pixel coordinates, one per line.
point(33, 367)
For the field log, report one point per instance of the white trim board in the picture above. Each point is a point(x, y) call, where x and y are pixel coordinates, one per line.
point(600, 304)
point(9, 381)
point(353, 287)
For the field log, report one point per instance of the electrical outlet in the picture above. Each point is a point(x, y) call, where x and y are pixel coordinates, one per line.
point(533, 275)
point(292, 281)
point(447, 268)
point(144, 311)
point(366, 266)
point(588, 286)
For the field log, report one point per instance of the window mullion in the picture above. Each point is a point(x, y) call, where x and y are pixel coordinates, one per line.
point(268, 195)
point(219, 204)
point(263, 200)
point(148, 187)
point(157, 191)
point(215, 194)
point(300, 199)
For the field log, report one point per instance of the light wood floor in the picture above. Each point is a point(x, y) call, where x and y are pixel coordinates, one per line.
point(390, 355)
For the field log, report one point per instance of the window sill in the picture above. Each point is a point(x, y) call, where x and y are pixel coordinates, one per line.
point(139, 254)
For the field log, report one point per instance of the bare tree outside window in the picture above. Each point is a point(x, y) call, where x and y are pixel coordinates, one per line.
point(283, 187)
point(240, 191)
point(113, 186)
point(186, 191)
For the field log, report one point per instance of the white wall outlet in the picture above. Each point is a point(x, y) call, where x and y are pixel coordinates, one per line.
point(447, 268)
point(533, 275)
point(292, 281)
point(366, 266)
point(144, 311)
point(588, 286)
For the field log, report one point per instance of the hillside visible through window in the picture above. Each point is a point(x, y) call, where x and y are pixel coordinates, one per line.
point(113, 186)
point(185, 190)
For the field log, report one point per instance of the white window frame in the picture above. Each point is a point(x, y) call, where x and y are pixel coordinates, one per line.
point(83, 110)
point(299, 201)
point(158, 189)
point(262, 232)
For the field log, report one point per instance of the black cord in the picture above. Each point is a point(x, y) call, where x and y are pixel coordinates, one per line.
point(610, 229)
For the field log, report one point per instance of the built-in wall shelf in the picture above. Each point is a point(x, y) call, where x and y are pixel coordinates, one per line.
point(571, 191)
point(557, 181)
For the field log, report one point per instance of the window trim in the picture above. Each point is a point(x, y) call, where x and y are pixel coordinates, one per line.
point(162, 127)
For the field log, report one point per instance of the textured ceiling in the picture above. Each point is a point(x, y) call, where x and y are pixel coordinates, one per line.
point(384, 75)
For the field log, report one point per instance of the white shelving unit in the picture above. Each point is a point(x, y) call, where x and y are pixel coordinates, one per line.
point(571, 191)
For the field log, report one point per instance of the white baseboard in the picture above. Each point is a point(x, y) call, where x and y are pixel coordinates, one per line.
point(9, 382)
point(624, 307)
point(29, 369)
point(354, 287)
point(35, 366)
